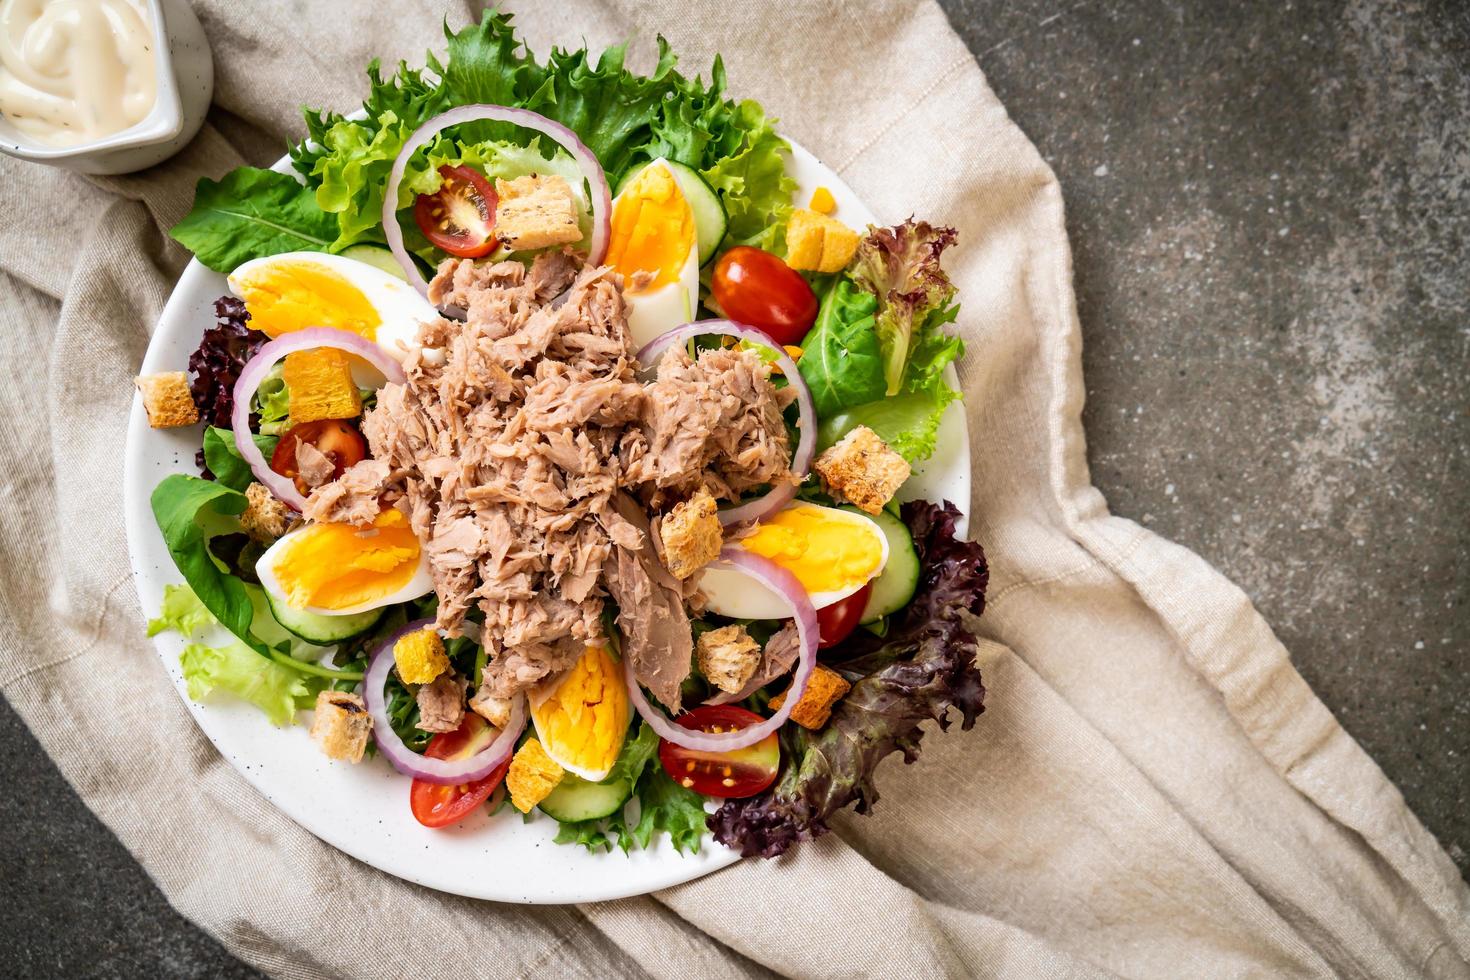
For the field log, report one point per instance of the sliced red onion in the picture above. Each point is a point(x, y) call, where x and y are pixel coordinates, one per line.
point(806, 425)
point(255, 371)
point(783, 583)
point(526, 119)
point(445, 772)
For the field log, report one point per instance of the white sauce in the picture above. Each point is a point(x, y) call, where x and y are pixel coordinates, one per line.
point(74, 71)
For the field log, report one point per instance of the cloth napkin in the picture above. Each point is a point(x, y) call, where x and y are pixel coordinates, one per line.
point(1153, 791)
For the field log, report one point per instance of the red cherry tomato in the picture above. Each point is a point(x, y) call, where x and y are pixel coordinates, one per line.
point(744, 772)
point(838, 620)
point(435, 805)
point(460, 216)
point(335, 439)
point(757, 288)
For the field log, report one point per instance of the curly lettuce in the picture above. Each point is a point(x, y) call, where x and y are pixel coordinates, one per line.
point(624, 118)
point(922, 669)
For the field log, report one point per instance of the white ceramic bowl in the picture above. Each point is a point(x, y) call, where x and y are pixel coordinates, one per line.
point(185, 85)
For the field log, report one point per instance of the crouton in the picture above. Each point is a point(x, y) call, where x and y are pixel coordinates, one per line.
point(536, 211)
point(691, 535)
point(319, 385)
point(727, 657)
point(822, 201)
point(862, 469)
point(822, 691)
point(819, 243)
point(495, 710)
point(167, 400)
point(265, 518)
point(532, 776)
point(420, 656)
point(342, 725)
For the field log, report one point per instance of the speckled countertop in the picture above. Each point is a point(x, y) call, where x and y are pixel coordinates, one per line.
point(1269, 204)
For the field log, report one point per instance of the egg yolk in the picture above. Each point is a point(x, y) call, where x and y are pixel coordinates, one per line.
point(294, 295)
point(337, 566)
point(583, 721)
point(825, 553)
point(652, 228)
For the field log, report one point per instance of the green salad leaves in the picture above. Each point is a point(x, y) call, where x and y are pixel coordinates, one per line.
point(877, 353)
point(624, 118)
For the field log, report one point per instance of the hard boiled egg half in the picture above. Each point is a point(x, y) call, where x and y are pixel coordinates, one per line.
point(654, 245)
point(296, 290)
point(342, 569)
point(582, 718)
point(833, 553)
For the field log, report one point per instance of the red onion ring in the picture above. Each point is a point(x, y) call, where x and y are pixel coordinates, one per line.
point(260, 365)
point(526, 119)
point(806, 425)
point(445, 772)
point(783, 583)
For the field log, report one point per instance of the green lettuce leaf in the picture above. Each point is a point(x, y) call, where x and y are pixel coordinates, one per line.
point(840, 359)
point(273, 402)
point(753, 184)
point(181, 612)
point(909, 423)
point(223, 457)
point(250, 213)
point(237, 669)
point(189, 512)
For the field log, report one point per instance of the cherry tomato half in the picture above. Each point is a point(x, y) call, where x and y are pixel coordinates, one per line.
point(757, 288)
point(335, 439)
point(838, 620)
point(460, 216)
point(436, 805)
point(744, 772)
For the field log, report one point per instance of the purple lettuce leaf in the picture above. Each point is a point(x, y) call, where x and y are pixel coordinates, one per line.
point(923, 668)
point(216, 364)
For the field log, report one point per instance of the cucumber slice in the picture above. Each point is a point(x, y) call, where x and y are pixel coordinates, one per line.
point(378, 258)
point(576, 799)
point(710, 219)
point(321, 630)
point(893, 589)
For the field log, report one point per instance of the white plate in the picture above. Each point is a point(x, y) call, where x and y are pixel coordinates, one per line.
point(363, 809)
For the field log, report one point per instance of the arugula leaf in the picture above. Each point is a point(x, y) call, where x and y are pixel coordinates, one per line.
point(840, 360)
point(250, 213)
point(240, 670)
point(223, 457)
point(181, 612)
point(921, 670)
point(900, 266)
point(190, 511)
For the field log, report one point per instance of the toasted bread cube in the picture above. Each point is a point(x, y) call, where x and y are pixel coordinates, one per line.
point(265, 518)
point(862, 469)
point(342, 725)
point(167, 400)
point(727, 657)
point(535, 211)
point(691, 535)
point(420, 656)
point(319, 385)
point(822, 201)
point(815, 707)
point(818, 243)
point(495, 710)
point(532, 776)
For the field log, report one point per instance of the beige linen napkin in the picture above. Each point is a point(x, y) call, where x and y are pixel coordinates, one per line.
point(1152, 792)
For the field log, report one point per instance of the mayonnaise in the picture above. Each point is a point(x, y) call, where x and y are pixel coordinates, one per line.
point(74, 71)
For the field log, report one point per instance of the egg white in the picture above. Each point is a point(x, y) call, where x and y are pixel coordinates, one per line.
point(399, 306)
point(734, 594)
point(421, 584)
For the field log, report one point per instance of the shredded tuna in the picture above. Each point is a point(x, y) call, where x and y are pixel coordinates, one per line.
point(441, 703)
point(314, 466)
point(526, 453)
point(777, 659)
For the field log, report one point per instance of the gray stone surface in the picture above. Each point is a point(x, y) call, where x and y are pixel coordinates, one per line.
point(1268, 204)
